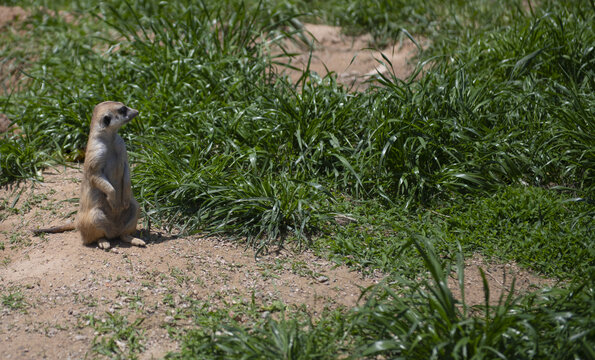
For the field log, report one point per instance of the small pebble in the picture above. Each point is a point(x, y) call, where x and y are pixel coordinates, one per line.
point(322, 279)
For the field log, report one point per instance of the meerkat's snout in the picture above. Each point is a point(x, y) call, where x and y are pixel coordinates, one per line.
point(132, 113)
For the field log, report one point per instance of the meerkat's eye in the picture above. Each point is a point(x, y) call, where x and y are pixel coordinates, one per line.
point(122, 110)
point(107, 119)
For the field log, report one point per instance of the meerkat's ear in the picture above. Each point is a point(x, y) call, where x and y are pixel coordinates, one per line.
point(106, 120)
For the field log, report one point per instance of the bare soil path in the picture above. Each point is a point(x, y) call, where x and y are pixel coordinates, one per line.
point(354, 60)
point(63, 283)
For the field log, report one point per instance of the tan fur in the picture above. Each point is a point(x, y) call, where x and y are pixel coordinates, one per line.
point(107, 208)
point(56, 229)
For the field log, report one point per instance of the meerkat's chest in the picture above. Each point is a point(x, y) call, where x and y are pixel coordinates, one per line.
point(114, 161)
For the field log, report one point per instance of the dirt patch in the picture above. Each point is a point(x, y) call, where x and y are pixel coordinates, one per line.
point(64, 284)
point(15, 32)
point(499, 277)
point(351, 58)
point(5, 123)
point(11, 77)
point(11, 14)
point(11, 18)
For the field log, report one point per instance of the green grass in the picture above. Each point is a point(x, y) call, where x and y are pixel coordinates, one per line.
point(286, 338)
point(422, 322)
point(547, 231)
point(430, 323)
point(13, 299)
point(490, 149)
point(117, 337)
point(540, 229)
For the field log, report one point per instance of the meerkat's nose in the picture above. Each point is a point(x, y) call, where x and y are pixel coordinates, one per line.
point(132, 114)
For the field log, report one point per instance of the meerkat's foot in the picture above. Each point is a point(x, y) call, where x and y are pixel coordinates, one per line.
point(133, 241)
point(103, 244)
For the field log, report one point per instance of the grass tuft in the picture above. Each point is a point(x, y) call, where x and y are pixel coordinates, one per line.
point(420, 320)
point(117, 337)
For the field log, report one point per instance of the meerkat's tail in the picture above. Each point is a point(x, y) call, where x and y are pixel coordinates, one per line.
point(55, 229)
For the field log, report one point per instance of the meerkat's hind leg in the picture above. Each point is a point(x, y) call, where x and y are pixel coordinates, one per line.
point(104, 244)
point(130, 226)
point(132, 240)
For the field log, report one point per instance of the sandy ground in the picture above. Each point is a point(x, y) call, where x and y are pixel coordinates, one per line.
point(353, 60)
point(10, 69)
point(52, 287)
point(63, 282)
point(10, 14)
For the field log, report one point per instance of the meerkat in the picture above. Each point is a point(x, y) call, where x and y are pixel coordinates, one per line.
point(107, 209)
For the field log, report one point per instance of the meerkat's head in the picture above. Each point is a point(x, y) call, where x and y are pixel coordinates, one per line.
point(109, 116)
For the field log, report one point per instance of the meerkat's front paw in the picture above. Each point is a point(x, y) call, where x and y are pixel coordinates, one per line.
point(133, 241)
point(103, 244)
